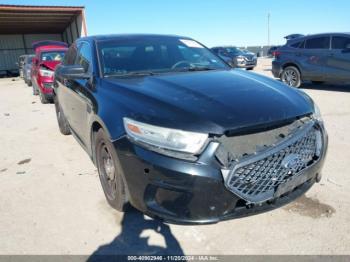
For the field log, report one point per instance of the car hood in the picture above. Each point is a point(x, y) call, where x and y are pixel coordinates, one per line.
point(50, 64)
point(210, 102)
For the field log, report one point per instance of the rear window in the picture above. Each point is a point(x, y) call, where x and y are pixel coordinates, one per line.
point(318, 43)
point(29, 59)
point(299, 44)
point(340, 42)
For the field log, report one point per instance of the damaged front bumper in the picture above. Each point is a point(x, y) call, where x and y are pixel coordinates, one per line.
point(211, 189)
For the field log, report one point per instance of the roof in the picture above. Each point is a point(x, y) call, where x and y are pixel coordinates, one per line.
point(129, 36)
point(225, 46)
point(22, 19)
point(318, 34)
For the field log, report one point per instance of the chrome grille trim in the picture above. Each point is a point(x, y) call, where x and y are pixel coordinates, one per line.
point(256, 177)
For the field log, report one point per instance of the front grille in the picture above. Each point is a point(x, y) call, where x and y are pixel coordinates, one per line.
point(255, 178)
point(48, 85)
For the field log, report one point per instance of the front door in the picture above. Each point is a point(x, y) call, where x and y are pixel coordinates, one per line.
point(339, 59)
point(80, 93)
point(316, 52)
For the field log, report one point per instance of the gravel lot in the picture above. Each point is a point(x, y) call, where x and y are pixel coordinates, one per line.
point(51, 201)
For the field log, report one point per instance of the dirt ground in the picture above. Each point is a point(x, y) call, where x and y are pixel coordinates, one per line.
point(51, 201)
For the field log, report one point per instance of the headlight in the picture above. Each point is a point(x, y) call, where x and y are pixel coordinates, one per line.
point(317, 113)
point(165, 138)
point(45, 72)
point(240, 58)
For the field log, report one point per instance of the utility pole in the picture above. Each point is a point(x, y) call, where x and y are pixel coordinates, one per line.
point(268, 29)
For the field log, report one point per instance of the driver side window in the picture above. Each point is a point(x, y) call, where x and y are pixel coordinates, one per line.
point(84, 57)
point(69, 58)
point(340, 42)
point(189, 54)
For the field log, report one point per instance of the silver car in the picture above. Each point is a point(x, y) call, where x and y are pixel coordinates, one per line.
point(27, 67)
point(236, 57)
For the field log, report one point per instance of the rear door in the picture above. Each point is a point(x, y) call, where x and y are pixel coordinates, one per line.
point(315, 53)
point(339, 59)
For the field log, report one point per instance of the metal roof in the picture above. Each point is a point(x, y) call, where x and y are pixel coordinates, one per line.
point(24, 19)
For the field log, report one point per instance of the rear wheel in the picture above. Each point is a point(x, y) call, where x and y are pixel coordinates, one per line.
point(109, 171)
point(61, 119)
point(35, 91)
point(291, 76)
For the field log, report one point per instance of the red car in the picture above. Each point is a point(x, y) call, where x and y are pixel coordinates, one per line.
point(48, 54)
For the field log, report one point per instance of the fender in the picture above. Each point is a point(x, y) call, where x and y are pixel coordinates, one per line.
point(94, 123)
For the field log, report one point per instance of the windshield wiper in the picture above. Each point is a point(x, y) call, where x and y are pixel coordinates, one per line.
point(194, 68)
point(135, 73)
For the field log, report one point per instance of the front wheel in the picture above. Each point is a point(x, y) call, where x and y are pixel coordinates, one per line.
point(109, 171)
point(250, 68)
point(291, 76)
point(43, 98)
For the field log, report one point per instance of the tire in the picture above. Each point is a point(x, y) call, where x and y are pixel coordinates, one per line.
point(43, 98)
point(291, 76)
point(317, 82)
point(109, 171)
point(61, 119)
point(35, 91)
point(250, 68)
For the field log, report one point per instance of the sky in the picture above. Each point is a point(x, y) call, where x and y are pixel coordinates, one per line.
point(212, 22)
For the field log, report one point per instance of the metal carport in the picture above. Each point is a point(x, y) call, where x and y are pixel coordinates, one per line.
point(21, 25)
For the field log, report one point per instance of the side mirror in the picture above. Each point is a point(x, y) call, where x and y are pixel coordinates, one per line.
point(73, 72)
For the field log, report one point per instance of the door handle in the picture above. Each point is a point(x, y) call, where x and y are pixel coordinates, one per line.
point(330, 55)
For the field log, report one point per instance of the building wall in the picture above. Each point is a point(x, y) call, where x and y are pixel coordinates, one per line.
point(261, 50)
point(13, 46)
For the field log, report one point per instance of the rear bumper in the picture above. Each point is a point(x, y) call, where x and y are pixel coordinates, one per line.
point(276, 68)
point(184, 192)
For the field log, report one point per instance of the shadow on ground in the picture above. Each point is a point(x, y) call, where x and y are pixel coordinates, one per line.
point(327, 87)
point(130, 241)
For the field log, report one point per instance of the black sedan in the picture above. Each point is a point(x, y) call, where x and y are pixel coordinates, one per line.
point(180, 135)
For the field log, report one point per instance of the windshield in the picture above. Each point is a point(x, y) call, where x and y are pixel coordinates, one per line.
point(233, 50)
point(155, 55)
point(52, 56)
point(30, 59)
